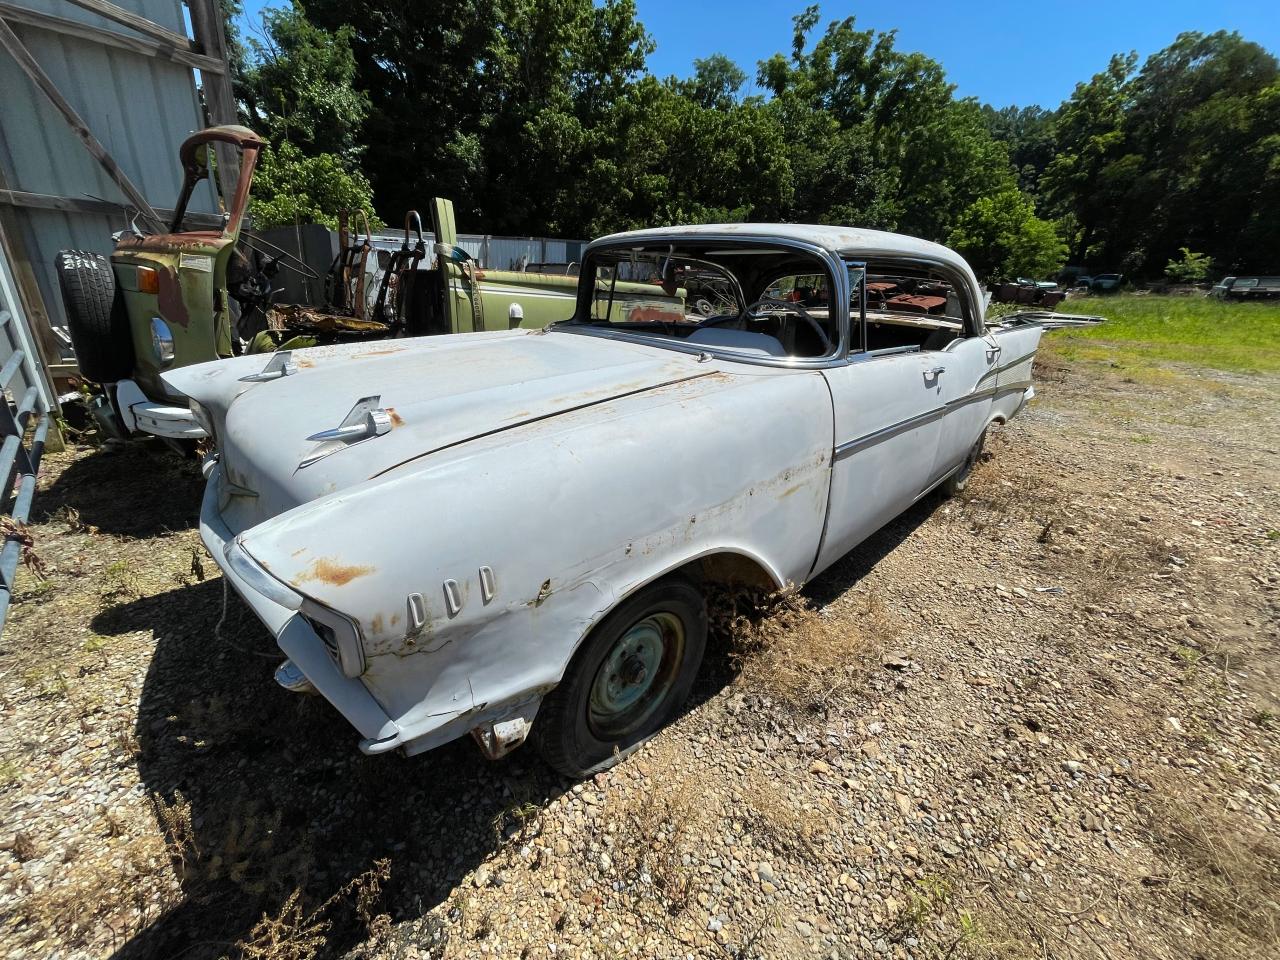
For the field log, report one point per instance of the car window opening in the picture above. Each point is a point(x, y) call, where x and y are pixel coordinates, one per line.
point(910, 307)
point(766, 303)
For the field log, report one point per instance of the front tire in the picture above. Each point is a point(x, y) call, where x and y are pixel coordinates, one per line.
point(627, 680)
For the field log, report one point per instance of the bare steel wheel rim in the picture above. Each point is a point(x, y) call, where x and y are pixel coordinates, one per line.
point(635, 676)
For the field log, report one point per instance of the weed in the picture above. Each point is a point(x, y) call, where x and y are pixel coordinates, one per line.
point(39, 591)
point(656, 824)
point(19, 532)
point(294, 933)
point(518, 823)
point(71, 517)
point(87, 897)
point(773, 813)
point(10, 772)
point(1266, 719)
point(179, 834)
point(24, 848)
point(118, 584)
point(790, 652)
point(47, 686)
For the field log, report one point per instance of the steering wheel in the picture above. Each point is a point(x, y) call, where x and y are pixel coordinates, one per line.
point(752, 312)
point(281, 256)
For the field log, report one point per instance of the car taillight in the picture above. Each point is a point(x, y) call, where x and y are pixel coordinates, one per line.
point(339, 636)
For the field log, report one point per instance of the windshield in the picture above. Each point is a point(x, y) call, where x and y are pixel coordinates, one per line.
point(754, 299)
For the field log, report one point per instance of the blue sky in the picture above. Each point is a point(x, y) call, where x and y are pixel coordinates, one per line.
point(1000, 51)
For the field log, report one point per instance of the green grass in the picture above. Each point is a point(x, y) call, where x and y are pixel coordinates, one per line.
point(1149, 331)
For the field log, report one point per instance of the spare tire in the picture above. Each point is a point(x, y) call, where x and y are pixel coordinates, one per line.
point(96, 316)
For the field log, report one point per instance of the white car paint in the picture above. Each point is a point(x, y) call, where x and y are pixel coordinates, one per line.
point(510, 488)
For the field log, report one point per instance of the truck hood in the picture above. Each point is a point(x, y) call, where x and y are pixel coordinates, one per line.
point(437, 392)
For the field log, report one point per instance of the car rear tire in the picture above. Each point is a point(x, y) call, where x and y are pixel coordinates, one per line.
point(97, 319)
point(627, 680)
point(956, 483)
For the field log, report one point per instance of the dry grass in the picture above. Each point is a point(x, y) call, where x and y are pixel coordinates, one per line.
point(122, 896)
point(294, 933)
point(772, 813)
point(657, 825)
point(1226, 866)
point(795, 654)
point(1100, 565)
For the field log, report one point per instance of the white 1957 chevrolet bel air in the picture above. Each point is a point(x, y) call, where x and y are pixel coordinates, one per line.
point(509, 533)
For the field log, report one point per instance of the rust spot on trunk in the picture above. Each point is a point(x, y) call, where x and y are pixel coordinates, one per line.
point(376, 623)
point(376, 353)
point(396, 419)
point(330, 571)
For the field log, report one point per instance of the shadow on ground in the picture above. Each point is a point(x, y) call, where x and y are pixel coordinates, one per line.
point(139, 489)
point(279, 797)
point(857, 563)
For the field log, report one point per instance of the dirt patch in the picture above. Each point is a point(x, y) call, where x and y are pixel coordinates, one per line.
point(1035, 721)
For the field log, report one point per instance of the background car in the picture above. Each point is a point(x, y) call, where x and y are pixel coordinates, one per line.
point(1246, 288)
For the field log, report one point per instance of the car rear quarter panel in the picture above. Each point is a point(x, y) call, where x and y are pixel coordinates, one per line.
point(569, 514)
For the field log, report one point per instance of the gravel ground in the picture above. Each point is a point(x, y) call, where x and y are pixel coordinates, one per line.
point(1041, 721)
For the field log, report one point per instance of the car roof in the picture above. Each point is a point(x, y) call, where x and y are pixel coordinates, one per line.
point(842, 241)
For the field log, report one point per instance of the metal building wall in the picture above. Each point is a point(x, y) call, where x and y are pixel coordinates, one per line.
point(502, 253)
point(140, 107)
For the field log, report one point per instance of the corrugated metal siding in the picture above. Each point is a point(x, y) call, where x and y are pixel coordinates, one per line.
point(140, 108)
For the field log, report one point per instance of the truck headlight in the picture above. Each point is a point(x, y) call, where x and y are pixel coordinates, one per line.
point(161, 341)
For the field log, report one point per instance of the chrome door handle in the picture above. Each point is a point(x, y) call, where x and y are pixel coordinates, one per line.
point(935, 373)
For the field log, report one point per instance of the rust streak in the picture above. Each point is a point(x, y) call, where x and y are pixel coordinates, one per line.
point(396, 419)
point(330, 571)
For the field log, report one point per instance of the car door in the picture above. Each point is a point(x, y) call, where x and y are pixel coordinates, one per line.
point(962, 379)
point(887, 423)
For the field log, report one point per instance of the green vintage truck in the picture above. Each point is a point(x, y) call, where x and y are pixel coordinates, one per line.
point(179, 296)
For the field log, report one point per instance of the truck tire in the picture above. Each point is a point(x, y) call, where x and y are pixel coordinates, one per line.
point(627, 680)
point(96, 316)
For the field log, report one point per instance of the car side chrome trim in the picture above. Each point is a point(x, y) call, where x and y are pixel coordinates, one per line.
point(1012, 363)
point(850, 447)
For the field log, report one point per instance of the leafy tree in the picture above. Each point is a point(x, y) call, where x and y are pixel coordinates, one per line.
point(904, 153)
point(291, 187)
point(298, 85)
point(294, 83)
point(1028, 134)
point(1088, 171)
point(1002, 238)
point(1188, 267)
point(716, 82)
point(1185, 151)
